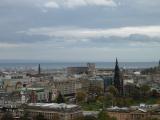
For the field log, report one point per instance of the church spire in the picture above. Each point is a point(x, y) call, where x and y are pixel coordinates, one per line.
point(117, 65)
point(118, 81)
point(39, 69)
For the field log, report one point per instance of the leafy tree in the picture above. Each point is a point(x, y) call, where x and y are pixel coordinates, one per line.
point(128, 101)
point(80, 96)
point(120, 102)
point(135, 93)
point(154, 93)
point(144, 90)
point(101, 99)
point(112, 90)
point(7, 116)
point(113, 94)
point(103, 115)
point(109, 100)
point(60, 99)
point(96, 90)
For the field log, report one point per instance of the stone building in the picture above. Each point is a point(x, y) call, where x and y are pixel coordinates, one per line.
point(141, 112)
point(53, 111)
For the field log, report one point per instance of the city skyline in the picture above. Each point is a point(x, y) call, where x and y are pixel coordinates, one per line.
point(80, 30)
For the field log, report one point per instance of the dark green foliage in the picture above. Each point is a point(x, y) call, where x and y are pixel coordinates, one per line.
point(113, 91)
point(103, 116)
point(60, 99)
point(154, 93)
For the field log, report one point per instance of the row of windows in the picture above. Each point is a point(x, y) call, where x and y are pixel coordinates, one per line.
point(55, 116)
point(50, 116)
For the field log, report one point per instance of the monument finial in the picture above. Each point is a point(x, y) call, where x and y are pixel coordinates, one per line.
point(39, 69)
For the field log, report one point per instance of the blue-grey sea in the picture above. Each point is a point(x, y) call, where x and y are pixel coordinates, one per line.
point(61, 65)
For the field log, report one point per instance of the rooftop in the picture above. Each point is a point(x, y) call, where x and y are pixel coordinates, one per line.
point(54, 107)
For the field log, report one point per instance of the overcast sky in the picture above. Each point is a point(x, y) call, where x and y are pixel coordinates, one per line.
point(80, 30)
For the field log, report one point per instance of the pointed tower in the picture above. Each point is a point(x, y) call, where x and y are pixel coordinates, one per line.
point(39, 69)
point(118, 81)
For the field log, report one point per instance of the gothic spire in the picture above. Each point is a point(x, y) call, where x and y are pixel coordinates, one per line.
point(117, 65)
point(118, 81)
point(39, 69)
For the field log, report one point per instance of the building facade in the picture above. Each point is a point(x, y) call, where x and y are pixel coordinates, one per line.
point(53, 111)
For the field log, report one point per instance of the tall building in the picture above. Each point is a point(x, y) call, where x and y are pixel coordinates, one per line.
point(66, 86)
point(118, 80)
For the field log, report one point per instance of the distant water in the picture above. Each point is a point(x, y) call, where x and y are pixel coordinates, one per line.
point(64, 65)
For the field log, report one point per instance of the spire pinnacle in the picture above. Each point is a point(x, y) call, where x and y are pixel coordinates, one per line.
point(116, 61)
point(117, 66)
point(39, 69)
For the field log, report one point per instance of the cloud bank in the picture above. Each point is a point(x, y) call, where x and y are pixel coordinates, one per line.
point(78, 3)
point(104, 29)
point(84, 33)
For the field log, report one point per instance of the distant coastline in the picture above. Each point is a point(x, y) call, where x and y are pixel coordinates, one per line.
point(61, 65)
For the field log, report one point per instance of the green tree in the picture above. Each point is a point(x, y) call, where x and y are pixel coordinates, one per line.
point(144, 90)
point(135, 93)
point(80, 96)
point(112, 90)
point(60, 99)
point(113, 94)
point(95, 90)
point(154, 93)
point(103, 115)
point(101, 99)
point(109, 100)
point(120, 102)
point(128, 101)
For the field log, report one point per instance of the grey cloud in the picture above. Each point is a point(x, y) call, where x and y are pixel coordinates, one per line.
point(135, 41)
point(20, 15)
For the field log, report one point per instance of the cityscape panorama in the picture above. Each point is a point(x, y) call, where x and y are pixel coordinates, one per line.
point(79, 60)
